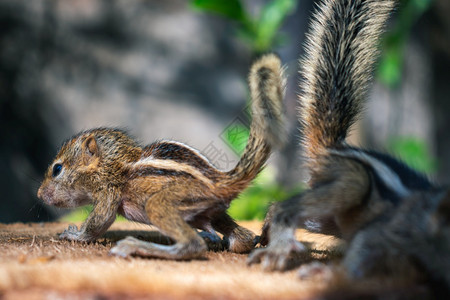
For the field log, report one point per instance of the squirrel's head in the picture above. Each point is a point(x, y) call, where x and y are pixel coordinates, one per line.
point(85, 164)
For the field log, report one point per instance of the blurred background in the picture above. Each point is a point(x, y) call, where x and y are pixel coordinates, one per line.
point(177, 70)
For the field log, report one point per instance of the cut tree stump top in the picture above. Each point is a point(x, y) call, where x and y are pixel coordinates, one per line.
point(35, 264)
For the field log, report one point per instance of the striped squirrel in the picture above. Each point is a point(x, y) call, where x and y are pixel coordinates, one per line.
point(395, 221)
point(167, 184)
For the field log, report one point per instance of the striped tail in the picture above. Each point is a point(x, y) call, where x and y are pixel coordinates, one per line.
point(267, 85)
point(341, 49)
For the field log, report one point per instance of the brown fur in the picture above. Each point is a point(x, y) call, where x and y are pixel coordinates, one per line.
point(167, 184)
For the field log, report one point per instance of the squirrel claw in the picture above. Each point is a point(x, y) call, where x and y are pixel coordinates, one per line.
point(71, 233)
point(275, 257)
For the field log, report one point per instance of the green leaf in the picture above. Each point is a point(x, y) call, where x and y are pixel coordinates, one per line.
point(390, 67)
point(253, 203)
point(394, 45)
point(259, 33)
point(414, 153)
point(421, 5)
point(270, 21)
point(81, 213)
point(236, 136)
point(77, 215)
point(231, 9)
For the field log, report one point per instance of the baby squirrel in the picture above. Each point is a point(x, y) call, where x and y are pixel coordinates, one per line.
point(395, 220)
point(167, 184)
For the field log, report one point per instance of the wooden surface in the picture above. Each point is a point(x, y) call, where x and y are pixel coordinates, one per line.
point(34, 264)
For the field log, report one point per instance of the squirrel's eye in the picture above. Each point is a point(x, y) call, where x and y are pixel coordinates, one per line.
point(56, 170)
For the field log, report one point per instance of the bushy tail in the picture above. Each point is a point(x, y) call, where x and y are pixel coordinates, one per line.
point(267, 85)
point(341, 48)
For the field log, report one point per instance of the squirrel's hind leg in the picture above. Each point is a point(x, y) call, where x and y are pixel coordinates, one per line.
point(163, 213)
point(132, 246)
point(344, 186)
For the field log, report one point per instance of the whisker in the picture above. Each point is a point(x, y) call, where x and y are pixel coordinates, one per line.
point(32, 207)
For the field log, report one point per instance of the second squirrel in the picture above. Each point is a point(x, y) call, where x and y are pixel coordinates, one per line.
point(396, 222)
point(166, 184)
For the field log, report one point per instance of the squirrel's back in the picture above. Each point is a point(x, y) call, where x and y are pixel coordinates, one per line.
point(340, 51)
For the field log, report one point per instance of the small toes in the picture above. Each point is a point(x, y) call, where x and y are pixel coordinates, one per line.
point(64, 235)
point(272, 263)
point(270, 260)
point(70, 233)
point(281, 263)
point(266, 263)
point(72, 228)
point(255, 257)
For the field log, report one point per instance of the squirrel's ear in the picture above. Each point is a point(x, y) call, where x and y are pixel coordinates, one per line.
point(90, 146)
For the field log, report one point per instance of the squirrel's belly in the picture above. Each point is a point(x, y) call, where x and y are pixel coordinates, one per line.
point(133, 212)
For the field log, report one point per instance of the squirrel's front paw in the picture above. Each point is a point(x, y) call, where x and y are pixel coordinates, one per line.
point(72, 234)
point(275, 256)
